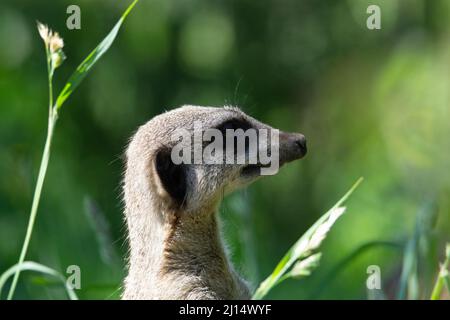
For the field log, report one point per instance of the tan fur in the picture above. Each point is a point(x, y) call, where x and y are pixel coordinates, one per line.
point(177, 252)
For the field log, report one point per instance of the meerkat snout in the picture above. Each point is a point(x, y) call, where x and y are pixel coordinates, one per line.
point(292, 147)
point(179, 165)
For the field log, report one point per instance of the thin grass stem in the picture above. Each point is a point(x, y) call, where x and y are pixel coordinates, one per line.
point(443, 277)
point(36, 199)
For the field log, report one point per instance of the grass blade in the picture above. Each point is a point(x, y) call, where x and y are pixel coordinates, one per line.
point(83, 69)
point(305, 245)
point(332, 274)
point(425, 220)
point(37, 267)
point(443, 277)
point(36, 199)
point(76, 78)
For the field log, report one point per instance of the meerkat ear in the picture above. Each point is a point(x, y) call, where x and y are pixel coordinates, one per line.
point(172, 176)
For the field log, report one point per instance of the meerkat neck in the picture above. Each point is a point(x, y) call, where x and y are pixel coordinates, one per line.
point(193, 245)
point(182, 259)
point(194, 252)
point(146, 241)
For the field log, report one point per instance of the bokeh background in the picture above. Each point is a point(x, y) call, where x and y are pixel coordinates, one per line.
point(372, 103)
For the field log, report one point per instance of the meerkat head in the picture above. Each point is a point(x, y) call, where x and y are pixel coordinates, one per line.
point(187, 159)
point(179, 165)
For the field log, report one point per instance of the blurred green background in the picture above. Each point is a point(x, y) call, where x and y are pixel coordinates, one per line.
point(372, 103)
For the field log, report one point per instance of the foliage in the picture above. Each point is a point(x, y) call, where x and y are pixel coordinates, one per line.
point(55, 56)
point(371, 103)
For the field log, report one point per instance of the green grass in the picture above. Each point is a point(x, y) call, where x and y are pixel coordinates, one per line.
point(443, 277)
point(302, 258)
point(55, 56)
point(40, 268)
point(299, 262)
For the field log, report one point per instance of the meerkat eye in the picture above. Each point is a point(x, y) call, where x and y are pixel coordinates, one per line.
point(235, 124)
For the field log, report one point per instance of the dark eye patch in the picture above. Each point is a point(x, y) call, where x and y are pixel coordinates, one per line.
point(234, 124)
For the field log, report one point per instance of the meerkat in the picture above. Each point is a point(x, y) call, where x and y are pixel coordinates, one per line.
point(175, 246)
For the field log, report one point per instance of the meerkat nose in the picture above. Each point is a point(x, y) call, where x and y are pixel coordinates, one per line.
point(292, 146)
point(300, 141)
point(295, 142)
